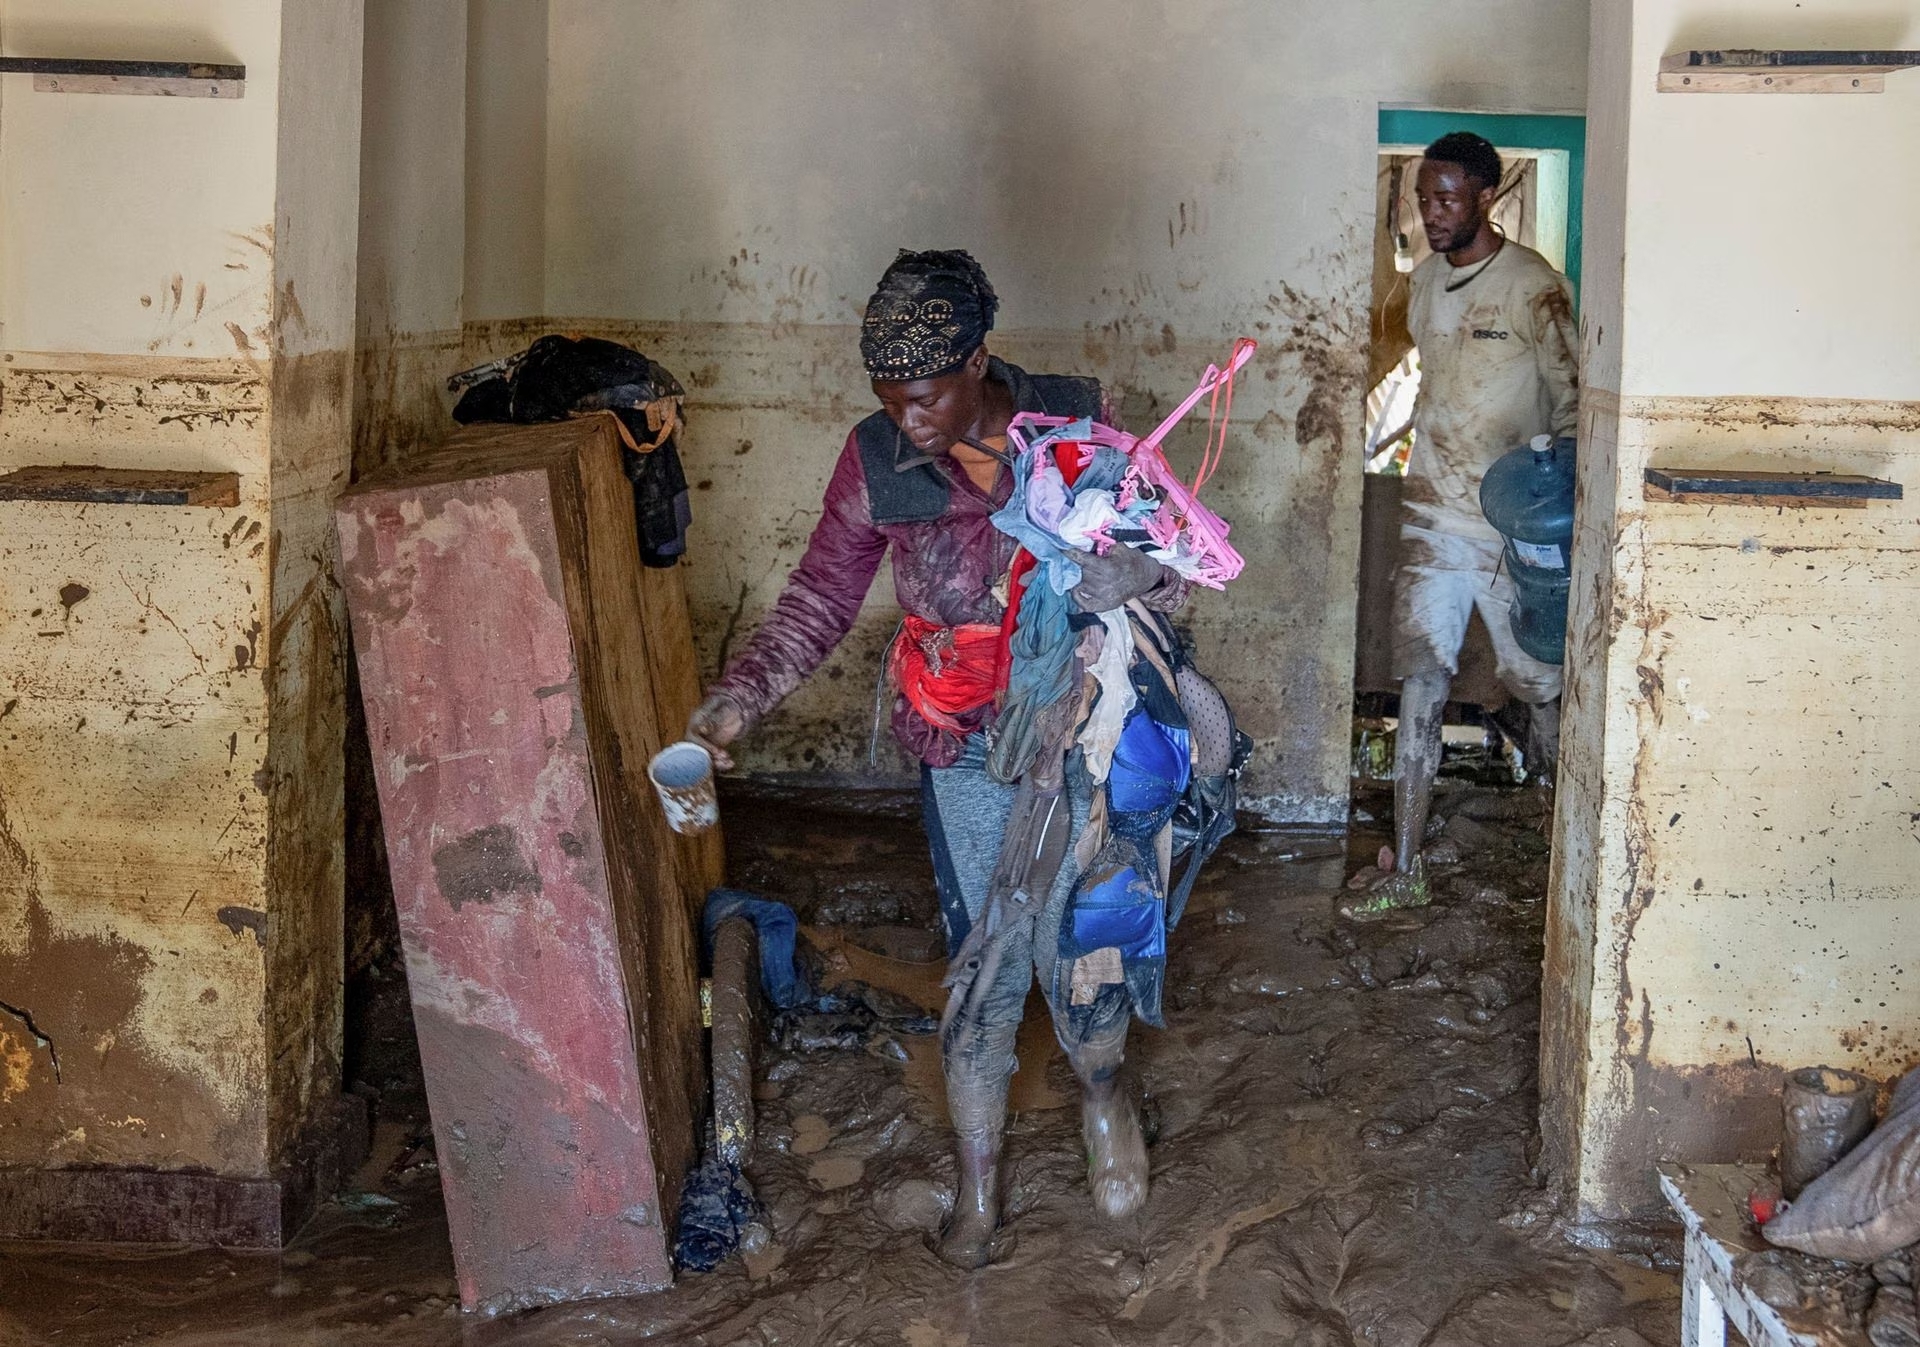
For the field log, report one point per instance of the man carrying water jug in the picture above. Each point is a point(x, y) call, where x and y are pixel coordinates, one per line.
point(1499, 364)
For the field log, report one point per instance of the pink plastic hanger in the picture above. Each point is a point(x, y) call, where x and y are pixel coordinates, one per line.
point(1180, 510)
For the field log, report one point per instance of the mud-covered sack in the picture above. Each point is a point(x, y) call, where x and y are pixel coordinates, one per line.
point(1867, 1206)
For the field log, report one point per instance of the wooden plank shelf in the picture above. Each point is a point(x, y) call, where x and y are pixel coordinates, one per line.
point(1722, 486)
point(1751, 71)
point(89, 485)
point(167, 79)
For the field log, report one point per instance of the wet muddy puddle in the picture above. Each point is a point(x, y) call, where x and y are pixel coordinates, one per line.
point(1345, 1120)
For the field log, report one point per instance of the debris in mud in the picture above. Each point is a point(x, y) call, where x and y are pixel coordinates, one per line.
point(1333, 1161)
point(915, 1204)
point(822, 1033)
point(416, 1157)
point(860, 902)
point(852, 1015)
point(1613, 1337)
point(718, 1214)
point(887, 1046)
point(374, 1209)
point(810, 1134)
point(1833, 1293)
point(1894, 1320)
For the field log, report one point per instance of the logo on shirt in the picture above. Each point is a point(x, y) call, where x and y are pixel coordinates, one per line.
point(1488, 334)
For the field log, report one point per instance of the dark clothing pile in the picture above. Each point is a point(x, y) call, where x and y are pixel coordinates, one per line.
point(559, 377)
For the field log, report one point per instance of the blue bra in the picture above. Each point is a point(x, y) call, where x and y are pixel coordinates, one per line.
point(1151, 766)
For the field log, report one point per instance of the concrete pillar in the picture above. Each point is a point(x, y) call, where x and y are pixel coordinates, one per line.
point(1735, 843)
point(177, 293)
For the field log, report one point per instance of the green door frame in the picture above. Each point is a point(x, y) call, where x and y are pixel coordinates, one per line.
point(1519, 131)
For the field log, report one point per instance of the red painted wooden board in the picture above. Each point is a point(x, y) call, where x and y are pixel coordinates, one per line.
point(546, 913)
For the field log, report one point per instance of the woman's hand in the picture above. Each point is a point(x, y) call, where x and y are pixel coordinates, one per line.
point(1110, 582)
point(714, 724)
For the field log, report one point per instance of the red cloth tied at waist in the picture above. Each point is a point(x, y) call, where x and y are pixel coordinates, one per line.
point(945, 672)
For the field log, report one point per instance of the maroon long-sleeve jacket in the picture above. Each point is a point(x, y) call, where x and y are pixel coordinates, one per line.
point(944, 570)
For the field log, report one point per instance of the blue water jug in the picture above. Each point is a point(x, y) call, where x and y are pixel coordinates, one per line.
point(1528, 496)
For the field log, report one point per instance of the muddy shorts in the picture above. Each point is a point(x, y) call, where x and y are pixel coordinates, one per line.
point(1442, 579)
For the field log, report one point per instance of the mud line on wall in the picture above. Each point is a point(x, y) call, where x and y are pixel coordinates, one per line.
point(400, 407)
point(1630, 1070)
point(304, 676)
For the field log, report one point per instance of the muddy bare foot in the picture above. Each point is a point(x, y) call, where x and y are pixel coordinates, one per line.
point(1391, 893)
point(1116, 1150)
point(967, 1238)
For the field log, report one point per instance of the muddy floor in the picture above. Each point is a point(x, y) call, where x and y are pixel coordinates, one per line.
point(1344, 1118)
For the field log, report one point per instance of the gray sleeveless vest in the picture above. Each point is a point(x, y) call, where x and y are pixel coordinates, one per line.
point(918, 492)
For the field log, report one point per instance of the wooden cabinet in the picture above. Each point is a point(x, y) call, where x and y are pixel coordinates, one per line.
point(519, 666)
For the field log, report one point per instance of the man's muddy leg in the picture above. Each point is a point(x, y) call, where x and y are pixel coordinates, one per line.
point(1416, 762)
point(1110, 1122)
point(1543, 739)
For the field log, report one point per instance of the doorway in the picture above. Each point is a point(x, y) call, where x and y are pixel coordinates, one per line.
point(1541, 199)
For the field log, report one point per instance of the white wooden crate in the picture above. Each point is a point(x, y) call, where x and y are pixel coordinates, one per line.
point(1711, 1201)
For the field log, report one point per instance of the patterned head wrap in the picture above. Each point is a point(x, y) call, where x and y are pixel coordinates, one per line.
point(931, 311)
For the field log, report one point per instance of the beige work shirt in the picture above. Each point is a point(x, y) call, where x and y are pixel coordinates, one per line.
point(1499, 364)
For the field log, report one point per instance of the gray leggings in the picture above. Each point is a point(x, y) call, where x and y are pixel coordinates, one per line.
point(966, 814)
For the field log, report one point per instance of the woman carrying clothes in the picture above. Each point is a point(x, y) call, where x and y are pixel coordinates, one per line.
point(923, 476)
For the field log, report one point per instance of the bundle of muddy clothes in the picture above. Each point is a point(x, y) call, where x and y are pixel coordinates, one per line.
point(559, 377)
point(1119, 749)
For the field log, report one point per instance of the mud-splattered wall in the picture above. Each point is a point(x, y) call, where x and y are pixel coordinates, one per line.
point(1732, 892)
point(177, 294)
point(723, 183)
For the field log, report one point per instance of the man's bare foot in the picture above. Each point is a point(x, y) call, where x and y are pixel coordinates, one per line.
point(966, 1240)
point(1116, 1149)
point(1390, 893)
